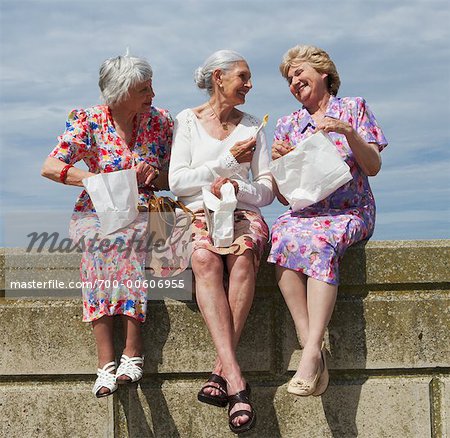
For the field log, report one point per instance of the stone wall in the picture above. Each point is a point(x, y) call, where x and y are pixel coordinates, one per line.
point(388, 343)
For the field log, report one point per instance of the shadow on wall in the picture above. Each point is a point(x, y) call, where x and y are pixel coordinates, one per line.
point(145, 413)
point(348, 349)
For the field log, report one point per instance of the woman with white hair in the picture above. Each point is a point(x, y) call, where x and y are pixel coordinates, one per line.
point(125, 132)
point(216, 143)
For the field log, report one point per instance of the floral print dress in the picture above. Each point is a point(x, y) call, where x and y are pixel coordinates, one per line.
point(314, 239)
point(113, 277)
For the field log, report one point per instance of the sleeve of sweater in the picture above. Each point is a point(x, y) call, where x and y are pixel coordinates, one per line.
point(185, 180)
point(258, 192)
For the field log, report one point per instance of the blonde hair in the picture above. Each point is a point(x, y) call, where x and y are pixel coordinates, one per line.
point(317, 58)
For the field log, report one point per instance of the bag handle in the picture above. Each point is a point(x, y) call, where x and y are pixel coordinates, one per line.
point(161, 201)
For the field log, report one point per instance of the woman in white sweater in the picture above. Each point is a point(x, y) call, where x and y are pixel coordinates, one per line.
point(215, 143)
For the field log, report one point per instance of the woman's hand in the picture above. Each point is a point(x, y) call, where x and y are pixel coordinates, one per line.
point(219, 182)
point(243, 150)
point(366, 154)
point(278, 194)
point(280, 148)
point(329, 124)
point(145, 173)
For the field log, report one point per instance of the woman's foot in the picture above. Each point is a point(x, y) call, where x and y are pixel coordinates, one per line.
point(310, 363)
point(239, 393)
point(106, 382)
point(306, 378)
point(214, 391)
point(242, 416)
point(212, 387)
point(130, 369)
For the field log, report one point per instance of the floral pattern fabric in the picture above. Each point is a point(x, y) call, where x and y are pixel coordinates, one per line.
point(91, 136)
point(112, 277)
point(314, 239)
point(250, 232)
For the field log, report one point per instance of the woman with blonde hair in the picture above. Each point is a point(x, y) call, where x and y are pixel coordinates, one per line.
point(308, 245)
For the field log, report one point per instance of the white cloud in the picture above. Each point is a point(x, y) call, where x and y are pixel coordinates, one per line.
point(394, 54)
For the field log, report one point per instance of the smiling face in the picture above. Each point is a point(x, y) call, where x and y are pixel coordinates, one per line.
point(140, 97)
point(306, 84)
point(236, 83)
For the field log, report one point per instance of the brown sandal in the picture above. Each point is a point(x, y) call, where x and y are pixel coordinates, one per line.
point(220, 400)
point(241, 397)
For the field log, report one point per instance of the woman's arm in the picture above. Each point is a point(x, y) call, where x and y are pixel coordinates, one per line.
point(73, 146)
point(258, 192)
point(52, 169)
point(366, 154)
point(364, 136)
point(279, 196)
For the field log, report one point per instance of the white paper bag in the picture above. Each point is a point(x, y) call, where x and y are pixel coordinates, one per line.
point(310, 172)
point(220, 215)
point(115, 198)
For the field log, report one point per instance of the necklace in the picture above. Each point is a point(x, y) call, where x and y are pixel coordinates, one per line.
point(224, 124)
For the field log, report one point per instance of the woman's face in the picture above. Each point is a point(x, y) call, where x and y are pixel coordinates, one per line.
point(236, 83)
point(140, 97)
point(306, 84)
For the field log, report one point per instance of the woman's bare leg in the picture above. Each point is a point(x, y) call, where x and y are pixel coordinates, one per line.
point(241, 291)
point(133, 339)
point(293, 288)
point(103, 329)
point(213, 303)
point(321, 298)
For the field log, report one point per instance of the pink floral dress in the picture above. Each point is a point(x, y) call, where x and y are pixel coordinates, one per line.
point(313, 240)
point(113, 277)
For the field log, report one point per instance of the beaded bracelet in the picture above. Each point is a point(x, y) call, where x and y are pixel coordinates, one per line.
point(63, 174)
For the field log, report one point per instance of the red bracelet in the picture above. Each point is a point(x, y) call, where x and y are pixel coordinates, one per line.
point(63, 174)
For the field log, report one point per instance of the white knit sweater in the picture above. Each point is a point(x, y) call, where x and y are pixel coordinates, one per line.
point(197, 159)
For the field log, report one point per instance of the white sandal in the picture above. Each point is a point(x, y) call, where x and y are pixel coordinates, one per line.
point(107, 379)
point(131, 367)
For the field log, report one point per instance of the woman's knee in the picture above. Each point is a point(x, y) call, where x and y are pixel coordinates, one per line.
point(205, 262)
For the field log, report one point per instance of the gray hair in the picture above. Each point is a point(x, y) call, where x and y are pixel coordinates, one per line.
point(118, 74)
point(220, 60)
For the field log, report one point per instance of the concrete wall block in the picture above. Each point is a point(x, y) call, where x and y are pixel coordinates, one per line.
point(377, 262)
point(401, 329)
point(54, 410)
point(45, 337)
point(175, 336)
point(396, 262)
point(443, 424)
point(377, 407)
point(170, 409)
point(20, 258)
point(177, 340)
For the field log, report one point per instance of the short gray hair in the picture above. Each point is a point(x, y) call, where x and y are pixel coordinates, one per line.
point(118, 74)
point(222, 60)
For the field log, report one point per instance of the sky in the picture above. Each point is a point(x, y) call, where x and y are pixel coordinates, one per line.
point(395, 54)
